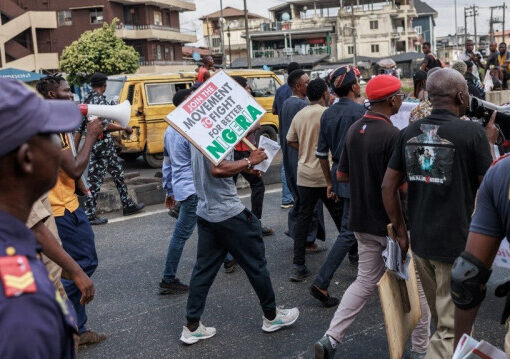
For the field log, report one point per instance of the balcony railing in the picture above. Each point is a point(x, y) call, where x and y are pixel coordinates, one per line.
point(318, 50)
point(161, 62)
point(146, 27)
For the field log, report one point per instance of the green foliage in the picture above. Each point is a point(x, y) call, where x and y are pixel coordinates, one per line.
point(98, 50)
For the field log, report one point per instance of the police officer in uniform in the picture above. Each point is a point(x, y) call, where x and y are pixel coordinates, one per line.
point(471, 270)
point(104, 158)
point(35, 321)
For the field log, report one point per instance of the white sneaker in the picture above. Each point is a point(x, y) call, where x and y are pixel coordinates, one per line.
point(284, 317)
point(201, 333)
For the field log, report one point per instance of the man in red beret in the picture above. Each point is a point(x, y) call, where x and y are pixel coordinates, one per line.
point(443, 159)
point(366, 151)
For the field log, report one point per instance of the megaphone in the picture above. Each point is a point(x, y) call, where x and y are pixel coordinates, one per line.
point(120, 113)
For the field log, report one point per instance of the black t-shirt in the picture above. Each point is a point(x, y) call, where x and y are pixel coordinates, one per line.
point(368, 147)
point(442, 157)
point(431, 61)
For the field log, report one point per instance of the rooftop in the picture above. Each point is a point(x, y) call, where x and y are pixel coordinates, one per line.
point(422, 8)
point(230, 12)
point(326, 3)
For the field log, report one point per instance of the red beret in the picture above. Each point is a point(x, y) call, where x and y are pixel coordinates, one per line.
point(382, 86)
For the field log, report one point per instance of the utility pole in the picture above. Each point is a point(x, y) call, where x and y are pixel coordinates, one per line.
point(353, 30)
point(465, 25)
point(222, 20)
point(491, 25)
point(497, 20)
point(471, 11)
point(475, 13)
point(229, 48)
point(504, 10)
point(247, 34)
point(456, 26)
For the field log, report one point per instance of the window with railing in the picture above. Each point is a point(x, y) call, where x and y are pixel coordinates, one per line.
point(374, 24)
point(96, 15)
point(64, 18)
point(157, 18)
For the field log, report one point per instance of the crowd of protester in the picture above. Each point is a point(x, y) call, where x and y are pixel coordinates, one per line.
point(340, 151)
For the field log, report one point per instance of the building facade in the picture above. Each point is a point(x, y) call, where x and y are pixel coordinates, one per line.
point(22, 33)
point(424, 24)
point(376, 28)
point(297, 28)
point(233, 31)
point(151, 27)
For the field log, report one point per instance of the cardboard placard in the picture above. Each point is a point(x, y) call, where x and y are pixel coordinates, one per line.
point(399, 324)
point(216, 116)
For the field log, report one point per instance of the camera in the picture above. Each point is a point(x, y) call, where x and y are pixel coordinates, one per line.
point(483, 110)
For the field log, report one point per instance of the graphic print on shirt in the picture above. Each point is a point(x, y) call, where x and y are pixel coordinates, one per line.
point(429, 158)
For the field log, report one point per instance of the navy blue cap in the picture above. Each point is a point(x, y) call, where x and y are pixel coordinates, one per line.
point(24, 114)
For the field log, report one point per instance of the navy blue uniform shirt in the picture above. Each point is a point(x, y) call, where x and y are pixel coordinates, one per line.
point(335, 122)
point(283, 93)
point(32, 325)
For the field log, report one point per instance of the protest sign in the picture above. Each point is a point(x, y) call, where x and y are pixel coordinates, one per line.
point(216, 116)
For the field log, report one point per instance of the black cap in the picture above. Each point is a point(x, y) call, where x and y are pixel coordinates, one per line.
point(98, 79)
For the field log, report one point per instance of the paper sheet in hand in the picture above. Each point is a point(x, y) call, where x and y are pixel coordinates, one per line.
point(469, 348)
point(216, 116)
point(271, 148)
point(401, 119)
point(392, 257)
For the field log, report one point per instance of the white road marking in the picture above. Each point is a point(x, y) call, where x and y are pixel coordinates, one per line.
point(157, 211)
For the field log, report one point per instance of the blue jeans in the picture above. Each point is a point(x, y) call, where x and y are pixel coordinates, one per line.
point(183, 230)
point(336, 255)
point(77, 239)
point(286, 195)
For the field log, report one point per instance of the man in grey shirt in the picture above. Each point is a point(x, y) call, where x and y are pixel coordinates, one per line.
point(225, 225)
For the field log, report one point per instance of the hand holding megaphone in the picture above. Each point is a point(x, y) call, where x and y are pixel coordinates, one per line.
point(95, 126)
point(120, 113)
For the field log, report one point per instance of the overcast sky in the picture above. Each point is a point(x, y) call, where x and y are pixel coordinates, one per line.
point(445, 8)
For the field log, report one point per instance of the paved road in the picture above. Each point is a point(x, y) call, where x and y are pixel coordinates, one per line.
point(142, 324)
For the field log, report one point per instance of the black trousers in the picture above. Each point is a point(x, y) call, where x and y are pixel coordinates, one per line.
point(256, 185)
point(242, 237)
point(308, 198)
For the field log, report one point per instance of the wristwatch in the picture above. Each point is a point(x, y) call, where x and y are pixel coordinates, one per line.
point(249, 163)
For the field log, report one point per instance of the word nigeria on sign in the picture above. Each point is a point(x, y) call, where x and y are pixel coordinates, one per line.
point(216, 116)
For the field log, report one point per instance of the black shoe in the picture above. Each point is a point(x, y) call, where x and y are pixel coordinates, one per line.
point(299, 275)
point(176, 287)
point(266, 231)
point(326, 300)
point(127, 211)
point(230, 266)
point(95, 221)
point(323, 349)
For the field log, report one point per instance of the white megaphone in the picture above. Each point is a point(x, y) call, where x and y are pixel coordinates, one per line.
point(120, 113)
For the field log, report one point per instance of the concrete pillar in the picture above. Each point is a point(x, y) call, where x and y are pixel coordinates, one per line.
point(36, 50)
point(2, 55)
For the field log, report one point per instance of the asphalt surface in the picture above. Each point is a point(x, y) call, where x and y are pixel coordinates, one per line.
point(140, 323)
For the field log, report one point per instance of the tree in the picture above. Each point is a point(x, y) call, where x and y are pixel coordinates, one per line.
point(99, 50)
